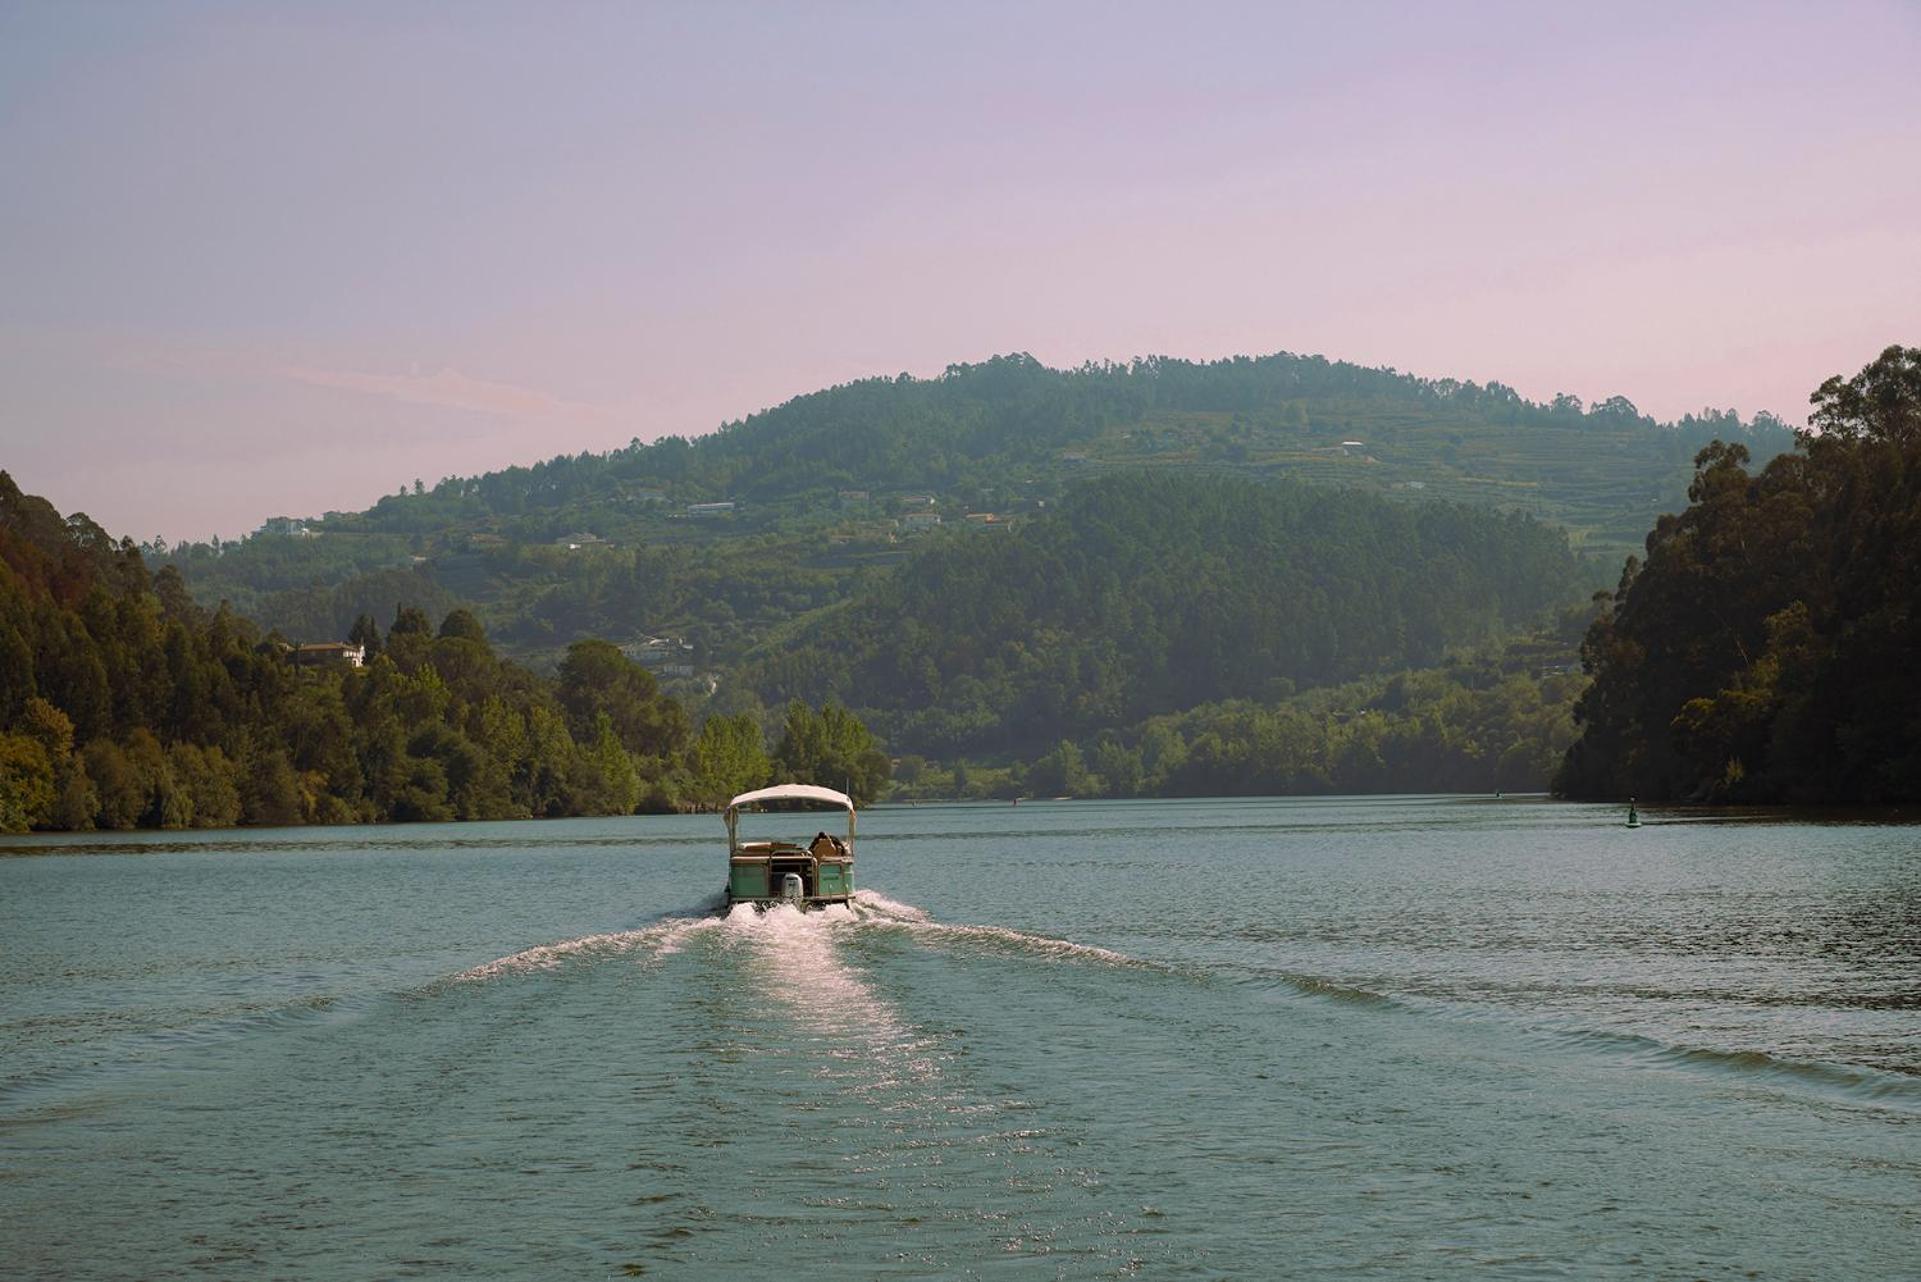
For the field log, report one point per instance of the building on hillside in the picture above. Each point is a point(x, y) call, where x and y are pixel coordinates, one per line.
point(663, 654)
point(288, 526)
point(324, 654)
point(918, 522)
point(709, 511)
point(575, 542)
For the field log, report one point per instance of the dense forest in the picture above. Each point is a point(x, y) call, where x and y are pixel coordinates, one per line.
point(1494, 719)
point(1175, 605)
point(1147, 594)
point(1766, 649)
point(125, 704)
point(826, 490)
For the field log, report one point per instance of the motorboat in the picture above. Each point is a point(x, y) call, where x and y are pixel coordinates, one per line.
point(807, 874)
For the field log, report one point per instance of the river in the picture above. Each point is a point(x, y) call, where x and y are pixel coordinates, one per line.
point(1349, 1037)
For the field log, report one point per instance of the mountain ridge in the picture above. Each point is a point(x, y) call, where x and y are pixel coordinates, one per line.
point(824, 486)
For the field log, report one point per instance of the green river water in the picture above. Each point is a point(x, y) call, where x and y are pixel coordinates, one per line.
point(1360, 1037)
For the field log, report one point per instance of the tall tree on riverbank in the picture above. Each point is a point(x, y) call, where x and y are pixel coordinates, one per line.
point(1766, 650)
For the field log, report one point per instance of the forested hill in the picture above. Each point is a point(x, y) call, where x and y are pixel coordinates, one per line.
point(1011, 419)
point(821, 489)
point(1150, 593)
point(1767, 649)
point(124, 704)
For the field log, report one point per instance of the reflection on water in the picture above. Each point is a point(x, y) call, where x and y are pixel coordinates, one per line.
point(1388, 1037)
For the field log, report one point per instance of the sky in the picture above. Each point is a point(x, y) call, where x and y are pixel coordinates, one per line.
point(276, 259)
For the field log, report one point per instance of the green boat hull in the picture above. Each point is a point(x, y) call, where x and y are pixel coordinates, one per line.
point(758, 882)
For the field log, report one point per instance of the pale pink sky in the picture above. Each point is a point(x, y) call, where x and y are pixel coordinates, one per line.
point(279, 259)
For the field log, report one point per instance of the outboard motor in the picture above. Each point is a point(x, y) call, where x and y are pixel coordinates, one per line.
point(790, 887)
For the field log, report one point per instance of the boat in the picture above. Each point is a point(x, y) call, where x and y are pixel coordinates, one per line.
point(811, 875)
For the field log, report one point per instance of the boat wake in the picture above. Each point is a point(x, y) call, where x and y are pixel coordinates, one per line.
point(1647, 1050)
point(795, 958)
point(656, 940)
point(667, 936)
point(876, 909)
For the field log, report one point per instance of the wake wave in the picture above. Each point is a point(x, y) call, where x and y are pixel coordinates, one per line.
point(659, 939)
point(878, 909)
point(1852, 1081)
point(868, 908)
point(1879, 1086)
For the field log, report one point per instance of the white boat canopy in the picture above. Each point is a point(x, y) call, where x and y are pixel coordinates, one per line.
point(786, 792)
point(793, 792)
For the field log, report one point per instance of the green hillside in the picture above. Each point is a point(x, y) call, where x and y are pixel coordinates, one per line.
point(830, 487)
point(1145, 594)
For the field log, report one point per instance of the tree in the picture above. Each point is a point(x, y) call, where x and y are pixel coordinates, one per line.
point(728, 758)
point(831, 748)
point(463, 625)
point(1881, 403)
point(366, 633)
point(410, 621)
point(1765, 650)
point(1061, 773)
point(26, 784)
point(596, 678)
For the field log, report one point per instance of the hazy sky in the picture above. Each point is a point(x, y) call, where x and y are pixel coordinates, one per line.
point(273, 258)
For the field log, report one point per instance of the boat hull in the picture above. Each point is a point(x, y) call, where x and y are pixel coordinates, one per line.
point(756, 879)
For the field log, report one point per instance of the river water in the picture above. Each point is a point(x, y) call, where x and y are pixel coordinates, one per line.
point(1380, 1037)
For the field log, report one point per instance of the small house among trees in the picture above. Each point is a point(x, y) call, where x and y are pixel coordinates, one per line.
point(323, 654)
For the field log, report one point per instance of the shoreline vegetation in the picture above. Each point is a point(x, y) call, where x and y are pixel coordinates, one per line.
point(126, 705)
point(1122, 646)
point(1765, 650)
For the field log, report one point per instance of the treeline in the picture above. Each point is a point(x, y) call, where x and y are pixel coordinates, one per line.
point(124, 704)
point(1146, 594)
point(988, 423)
point(1767, 649)
point(1496, 722)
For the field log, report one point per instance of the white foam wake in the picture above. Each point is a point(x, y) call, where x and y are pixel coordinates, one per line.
point(871, 906)
point(801, 967)
point(871, 903)
point(660, 939)
point(805, 938)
